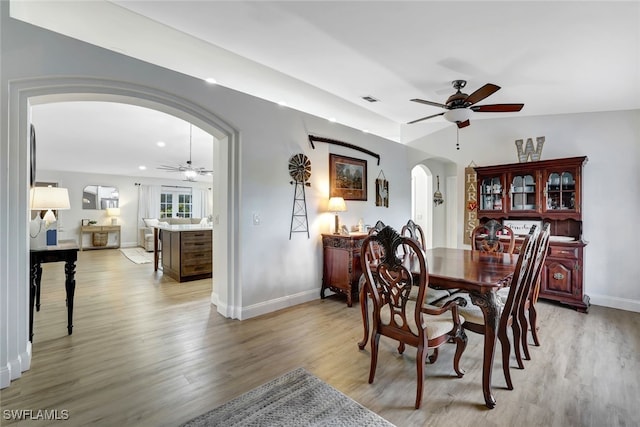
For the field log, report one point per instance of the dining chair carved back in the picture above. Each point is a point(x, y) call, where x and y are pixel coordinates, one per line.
point(414, 231)
point(527, 314)
point(474, 318)
point(396, 316)
point(487, 237)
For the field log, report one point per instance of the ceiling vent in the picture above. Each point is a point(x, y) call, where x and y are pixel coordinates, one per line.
point(369, 98)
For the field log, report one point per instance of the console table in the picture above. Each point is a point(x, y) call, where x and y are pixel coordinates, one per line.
point(101, 229)
point(66, 251)
point(342, 270)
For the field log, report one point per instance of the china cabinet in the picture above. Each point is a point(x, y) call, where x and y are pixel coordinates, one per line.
point(548, 191)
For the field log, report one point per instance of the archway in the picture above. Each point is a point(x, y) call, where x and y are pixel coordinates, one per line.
point(226, 292)
point(421, 201)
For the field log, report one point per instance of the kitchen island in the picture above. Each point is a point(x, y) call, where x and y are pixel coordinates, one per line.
point(187, 251)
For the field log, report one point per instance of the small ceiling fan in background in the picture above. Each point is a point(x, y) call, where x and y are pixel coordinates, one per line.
point(460, 105)
point(190, 172)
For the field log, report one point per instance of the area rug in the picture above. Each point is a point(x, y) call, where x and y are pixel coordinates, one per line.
point(295, 399)
point(137, 255)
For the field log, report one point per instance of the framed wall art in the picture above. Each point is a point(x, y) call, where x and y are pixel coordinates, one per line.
point(382, 190)
point(347, 177)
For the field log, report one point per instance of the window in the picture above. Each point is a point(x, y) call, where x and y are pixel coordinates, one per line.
point(176, 202)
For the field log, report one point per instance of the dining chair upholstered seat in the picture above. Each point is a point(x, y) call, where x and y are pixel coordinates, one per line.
point(509, 307)
point(389, 283)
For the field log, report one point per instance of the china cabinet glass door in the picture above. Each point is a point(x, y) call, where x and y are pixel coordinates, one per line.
point(491, 194)
point(523, 193)
point(561, 191)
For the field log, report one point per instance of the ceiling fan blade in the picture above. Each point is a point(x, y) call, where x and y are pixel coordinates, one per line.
point(168, 168)
point(463, 124)
point(482, 93)
point(425, 118)
point(497, 108)
point(434, 104)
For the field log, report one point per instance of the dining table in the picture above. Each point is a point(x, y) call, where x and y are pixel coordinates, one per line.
point(481, 274)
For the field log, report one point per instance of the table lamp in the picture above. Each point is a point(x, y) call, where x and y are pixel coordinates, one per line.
point(337, 204)
point(49, 199)
point(114, 213)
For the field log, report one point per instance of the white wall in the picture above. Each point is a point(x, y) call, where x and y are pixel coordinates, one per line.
point(611, 200)
point(69, 221)
point(272, 271)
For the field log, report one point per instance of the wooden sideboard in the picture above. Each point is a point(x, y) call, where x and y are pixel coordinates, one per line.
point(187, 254)
point(341, 264)
point(100, 236)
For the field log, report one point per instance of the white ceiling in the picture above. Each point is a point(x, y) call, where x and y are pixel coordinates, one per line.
point(323, 57)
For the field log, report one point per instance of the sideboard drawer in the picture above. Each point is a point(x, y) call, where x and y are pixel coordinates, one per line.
point(563, 251)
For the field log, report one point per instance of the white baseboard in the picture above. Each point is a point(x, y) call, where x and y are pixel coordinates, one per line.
point(615, 302)
point(279, 303)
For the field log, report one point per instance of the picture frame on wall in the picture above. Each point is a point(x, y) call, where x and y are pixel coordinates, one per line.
point(347, 177)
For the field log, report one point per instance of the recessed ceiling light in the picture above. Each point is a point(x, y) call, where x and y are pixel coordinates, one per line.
point(332, 119)
point(142, 167)
point(210, 80)
point(282, 104)
point(160, 144)
point(365, 130)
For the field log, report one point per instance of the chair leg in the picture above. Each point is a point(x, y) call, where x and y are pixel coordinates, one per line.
point(517, 337)
point(524, 323)
point(421, 359)
point(461, 344)
point(533, 317)
point(365, 317)
point(375, 339)
point(506, 354)
point(434, 356)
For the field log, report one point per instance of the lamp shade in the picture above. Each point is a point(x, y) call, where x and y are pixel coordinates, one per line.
point(45, 198)
point(458, 115)
point(113, 211)
point(337, 204)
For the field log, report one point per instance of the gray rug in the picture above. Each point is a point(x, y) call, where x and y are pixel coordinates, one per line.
point(295, 399)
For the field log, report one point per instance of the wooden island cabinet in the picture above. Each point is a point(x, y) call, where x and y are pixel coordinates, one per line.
point(341, 264)
point(547, 191)
point(186, 252)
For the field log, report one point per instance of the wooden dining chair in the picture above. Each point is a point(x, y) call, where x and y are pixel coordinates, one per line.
point(486, 237)
point(372, 256)
point(474, 318)
point(413, 230)
point(527, 314)
point(398, 317)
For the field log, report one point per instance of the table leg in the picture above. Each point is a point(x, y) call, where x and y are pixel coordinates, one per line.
point(70, 287)
point(32, 296)
point(488, 303)
point(155, 249)
point(364, 308)
point(38, 279)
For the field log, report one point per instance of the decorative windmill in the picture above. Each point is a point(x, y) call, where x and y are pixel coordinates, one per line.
point(300, 171)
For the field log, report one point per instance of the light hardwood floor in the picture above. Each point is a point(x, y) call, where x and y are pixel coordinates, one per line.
point(147, 351)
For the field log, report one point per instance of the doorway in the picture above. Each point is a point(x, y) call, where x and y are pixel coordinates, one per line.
point(421, 201)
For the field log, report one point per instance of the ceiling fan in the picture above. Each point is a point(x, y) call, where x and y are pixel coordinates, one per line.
point(460, 105)
point(190, 172)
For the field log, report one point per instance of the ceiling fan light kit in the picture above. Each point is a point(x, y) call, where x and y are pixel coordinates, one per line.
point(460, 105)
point(458, 115)
point(189, 171)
